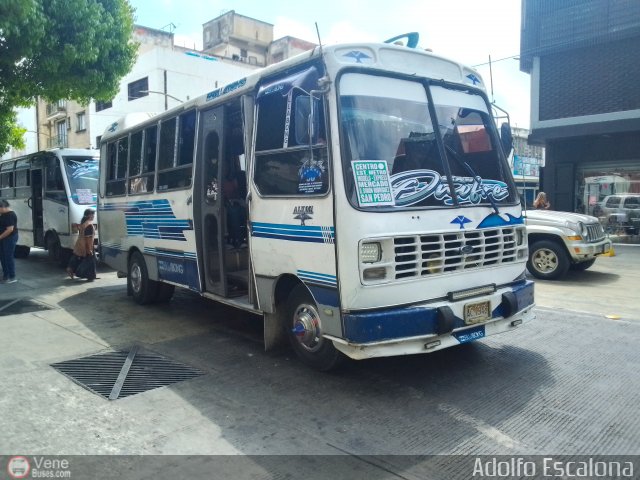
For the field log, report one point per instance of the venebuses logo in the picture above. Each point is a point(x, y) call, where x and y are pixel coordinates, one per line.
point(18, 467)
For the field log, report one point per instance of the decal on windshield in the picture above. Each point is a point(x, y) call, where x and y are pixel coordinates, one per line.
point(373, 184)
point(414, 186)
point(83, 169)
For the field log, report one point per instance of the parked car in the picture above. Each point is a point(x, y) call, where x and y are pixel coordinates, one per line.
point(620, 211)
point(559, 241)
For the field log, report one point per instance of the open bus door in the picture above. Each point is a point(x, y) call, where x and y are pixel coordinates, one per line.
point(208, 205)
point(35, 202)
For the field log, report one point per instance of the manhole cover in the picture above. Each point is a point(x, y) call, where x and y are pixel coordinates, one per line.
point(21, 305)
point(121, 374)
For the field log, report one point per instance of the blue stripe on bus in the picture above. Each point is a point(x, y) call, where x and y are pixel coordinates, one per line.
point(293, 233)
point(290, 238)
point(152, 219)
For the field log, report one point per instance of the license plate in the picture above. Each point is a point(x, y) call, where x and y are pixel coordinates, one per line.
point(470, 334)
point(477, 312)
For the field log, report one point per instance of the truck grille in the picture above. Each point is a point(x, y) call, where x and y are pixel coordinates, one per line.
point(433, 254)
point(595, 233)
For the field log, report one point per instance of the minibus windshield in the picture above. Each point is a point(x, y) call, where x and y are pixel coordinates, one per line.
point(391, 155)
point(82, 173)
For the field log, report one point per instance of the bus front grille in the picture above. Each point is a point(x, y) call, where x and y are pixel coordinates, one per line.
point(439, 253)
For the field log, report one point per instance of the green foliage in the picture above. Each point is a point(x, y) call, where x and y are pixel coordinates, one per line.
point(10, 133)
point(63, 49)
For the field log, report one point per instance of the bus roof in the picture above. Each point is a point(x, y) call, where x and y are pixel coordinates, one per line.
point(378, 56)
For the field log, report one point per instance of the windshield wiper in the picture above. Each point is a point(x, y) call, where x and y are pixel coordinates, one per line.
point(472, 172)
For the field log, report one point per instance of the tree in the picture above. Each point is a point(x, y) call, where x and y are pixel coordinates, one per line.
point(62, 49)
point(10, 133)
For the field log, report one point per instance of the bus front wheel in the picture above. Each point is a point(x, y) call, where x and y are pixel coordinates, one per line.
point(142, 288)
point(304, 331)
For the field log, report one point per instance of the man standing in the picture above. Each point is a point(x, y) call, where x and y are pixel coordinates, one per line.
point(8, 240)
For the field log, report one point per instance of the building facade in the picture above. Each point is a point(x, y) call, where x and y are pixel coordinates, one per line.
point(164, 75)
point(247, 40)
point(585, 105)
point(526, 161)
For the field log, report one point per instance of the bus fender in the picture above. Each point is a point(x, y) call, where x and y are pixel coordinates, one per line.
point(274, 316)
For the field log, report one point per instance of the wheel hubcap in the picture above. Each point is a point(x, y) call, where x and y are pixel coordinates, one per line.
point(306, 327)
point(136, 277)
point(545, 261)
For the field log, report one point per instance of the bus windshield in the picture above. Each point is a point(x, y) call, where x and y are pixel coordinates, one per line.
point(391, 154)
point(82, 173)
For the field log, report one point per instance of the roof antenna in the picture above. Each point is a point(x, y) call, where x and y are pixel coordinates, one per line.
point(319, 41)
point(491, 78)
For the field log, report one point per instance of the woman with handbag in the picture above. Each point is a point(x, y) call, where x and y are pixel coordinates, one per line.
point(82, 263)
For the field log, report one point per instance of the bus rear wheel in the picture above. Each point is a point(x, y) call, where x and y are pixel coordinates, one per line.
point(142, 288)
point(303, 327)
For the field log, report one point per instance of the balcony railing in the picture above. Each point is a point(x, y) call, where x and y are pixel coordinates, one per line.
point(55, 108)
point(58, 141)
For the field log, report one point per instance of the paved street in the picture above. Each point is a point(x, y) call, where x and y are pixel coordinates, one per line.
point(563, 384)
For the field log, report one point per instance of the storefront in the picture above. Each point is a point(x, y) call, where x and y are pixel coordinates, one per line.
point(611, 192)
point(598, 175)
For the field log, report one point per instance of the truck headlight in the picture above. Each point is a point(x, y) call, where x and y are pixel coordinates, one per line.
point(577, 227)
point(370, 252)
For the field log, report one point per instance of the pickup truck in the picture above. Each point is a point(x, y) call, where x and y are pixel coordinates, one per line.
point(559, 241)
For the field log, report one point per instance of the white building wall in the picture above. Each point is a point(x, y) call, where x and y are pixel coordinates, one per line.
point(189, 74)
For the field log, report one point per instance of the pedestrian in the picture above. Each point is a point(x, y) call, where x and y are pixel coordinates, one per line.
point(8, 240)
point(82, 263)
point(541, 202)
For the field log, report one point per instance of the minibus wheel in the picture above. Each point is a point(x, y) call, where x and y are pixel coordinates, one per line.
point(304, 331)
point(143, 289)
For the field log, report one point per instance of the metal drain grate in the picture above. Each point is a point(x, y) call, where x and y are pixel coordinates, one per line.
point(21, 305)
point(121, 374)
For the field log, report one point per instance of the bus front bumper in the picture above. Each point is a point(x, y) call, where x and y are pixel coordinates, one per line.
point(424, 328)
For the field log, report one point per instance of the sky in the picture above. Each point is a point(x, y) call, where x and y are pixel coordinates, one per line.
point(468, 31)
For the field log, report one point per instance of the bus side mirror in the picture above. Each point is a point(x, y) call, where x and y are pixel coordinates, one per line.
point(506, 138)
point(306, 120)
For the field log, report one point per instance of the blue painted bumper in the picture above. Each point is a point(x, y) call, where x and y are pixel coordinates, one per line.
point(397, 323)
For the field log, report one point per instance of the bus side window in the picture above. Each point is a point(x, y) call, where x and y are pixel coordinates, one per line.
point(54, 187)
point(116, 152)
point(136, 184)
point(6, 180)
point(175, 171)
point(283, 164)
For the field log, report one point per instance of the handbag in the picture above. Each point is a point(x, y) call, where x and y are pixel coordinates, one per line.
point(87, 268)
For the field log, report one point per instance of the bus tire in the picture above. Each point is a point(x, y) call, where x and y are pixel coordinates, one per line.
point(143, 289)
point(302, 324)
point(164, 292)
point(21, 251)
point(548, 260)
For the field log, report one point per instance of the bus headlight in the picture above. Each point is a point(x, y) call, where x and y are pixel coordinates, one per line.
point(370, 252)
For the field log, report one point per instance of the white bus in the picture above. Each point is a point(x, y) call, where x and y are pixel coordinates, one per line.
point(49, 191)
point(356, 196)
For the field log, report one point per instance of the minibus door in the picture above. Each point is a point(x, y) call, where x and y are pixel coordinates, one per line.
point(208, 205)
point(35, 203)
